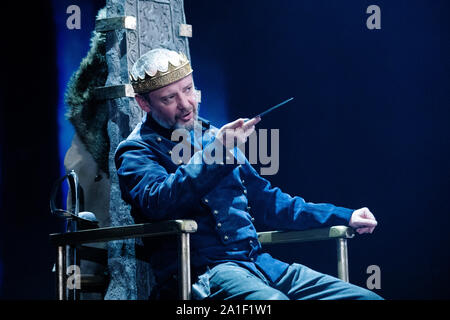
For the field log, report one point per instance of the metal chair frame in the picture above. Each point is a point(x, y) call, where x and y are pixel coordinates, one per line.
point(68, 243)
point(183, 228)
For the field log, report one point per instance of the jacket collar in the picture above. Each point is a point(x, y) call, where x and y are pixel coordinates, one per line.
point(151, 123)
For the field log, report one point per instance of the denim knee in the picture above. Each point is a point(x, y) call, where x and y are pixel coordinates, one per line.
point(231, 281)
point(370, 295)
point(266, 294)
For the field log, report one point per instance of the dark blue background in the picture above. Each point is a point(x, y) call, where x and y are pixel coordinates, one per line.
point(368, 126)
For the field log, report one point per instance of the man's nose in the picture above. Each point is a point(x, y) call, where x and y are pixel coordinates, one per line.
point(183, 102)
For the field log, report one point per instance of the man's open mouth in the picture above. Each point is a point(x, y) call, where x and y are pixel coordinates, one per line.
point(187, 116)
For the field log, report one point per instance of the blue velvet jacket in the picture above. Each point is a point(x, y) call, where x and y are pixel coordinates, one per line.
point(226, 200)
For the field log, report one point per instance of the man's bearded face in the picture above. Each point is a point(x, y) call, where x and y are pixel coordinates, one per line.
point(175, 105)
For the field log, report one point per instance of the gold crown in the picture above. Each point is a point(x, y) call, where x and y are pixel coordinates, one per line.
point(148, 82)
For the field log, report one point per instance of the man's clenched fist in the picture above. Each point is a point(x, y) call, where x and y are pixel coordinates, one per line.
point(363, 221)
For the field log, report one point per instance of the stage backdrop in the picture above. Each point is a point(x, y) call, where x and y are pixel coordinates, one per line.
point(368, 126)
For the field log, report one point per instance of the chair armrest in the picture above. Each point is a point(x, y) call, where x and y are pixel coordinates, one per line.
point(335, 232)
point(124, 232)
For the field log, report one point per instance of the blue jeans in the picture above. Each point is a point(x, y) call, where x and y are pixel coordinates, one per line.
point(231, 281)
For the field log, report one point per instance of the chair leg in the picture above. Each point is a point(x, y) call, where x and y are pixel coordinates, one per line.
point(61, 292)
point(72, 265)
point(342, 259)
point(184, 270)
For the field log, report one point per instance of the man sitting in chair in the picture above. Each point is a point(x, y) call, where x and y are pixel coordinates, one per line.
point(224, 197)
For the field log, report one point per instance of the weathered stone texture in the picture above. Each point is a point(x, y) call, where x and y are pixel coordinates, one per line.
point(158, 25)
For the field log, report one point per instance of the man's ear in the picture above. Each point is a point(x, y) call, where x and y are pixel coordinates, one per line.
point(142, 102)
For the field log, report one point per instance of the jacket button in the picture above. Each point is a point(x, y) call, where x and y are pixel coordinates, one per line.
point(245, 191)
point(252, 219)
point(169, 152)
point(252, 259)
point(219, 225)
point(251, 242)
point(248, 208)
point(243, 181)
point(216, 212)
point(158, 139)
point(225, 238)
point(206, 200)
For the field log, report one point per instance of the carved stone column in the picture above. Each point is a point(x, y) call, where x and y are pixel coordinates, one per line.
point(132, 28)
